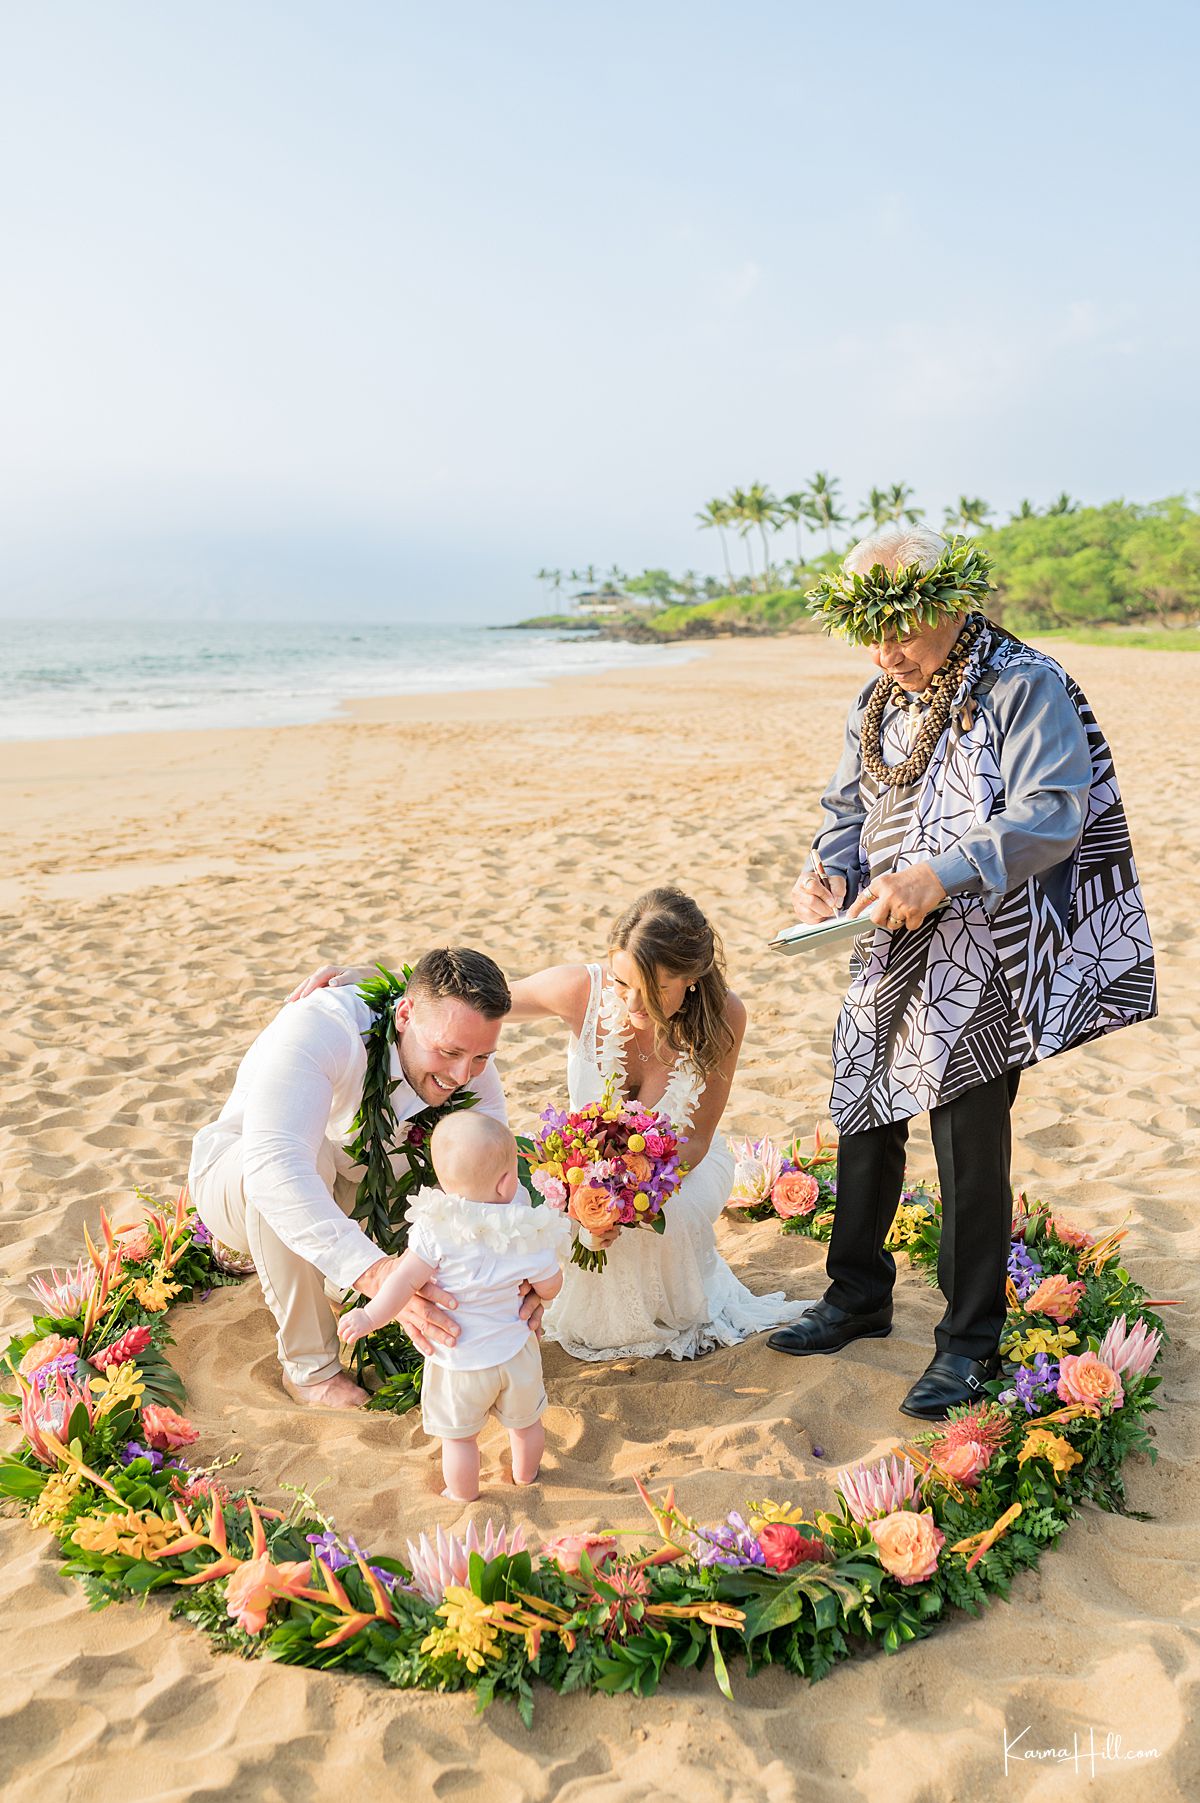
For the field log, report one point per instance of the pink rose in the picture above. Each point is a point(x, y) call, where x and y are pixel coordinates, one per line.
point(656, 1145)
point(795, 1193)
point(552, 1190)
point(166, 1431)
point(909, 1543)
point(568, 1549)
point(1082, 1377)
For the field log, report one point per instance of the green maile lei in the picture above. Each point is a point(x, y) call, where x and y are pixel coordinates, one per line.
point(382, 1199)
point(894, 603)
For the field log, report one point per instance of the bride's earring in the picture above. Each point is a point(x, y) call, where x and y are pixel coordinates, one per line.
point(691, 989)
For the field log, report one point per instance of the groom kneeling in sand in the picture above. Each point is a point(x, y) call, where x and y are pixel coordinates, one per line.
point(272, 1177)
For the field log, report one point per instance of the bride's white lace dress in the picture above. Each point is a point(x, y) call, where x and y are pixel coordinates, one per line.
point(659, 1293)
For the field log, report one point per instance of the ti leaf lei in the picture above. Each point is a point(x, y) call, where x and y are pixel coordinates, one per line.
point(866, 608)
point(382, 1197)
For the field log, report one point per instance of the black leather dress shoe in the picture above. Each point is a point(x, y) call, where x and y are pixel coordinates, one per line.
point(949, 1379)
point(826, 1328)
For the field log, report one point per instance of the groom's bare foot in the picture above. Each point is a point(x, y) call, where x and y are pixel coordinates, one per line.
point(336, 1392)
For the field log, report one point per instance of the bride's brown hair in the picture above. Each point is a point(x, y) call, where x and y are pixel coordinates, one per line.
point(665, 930)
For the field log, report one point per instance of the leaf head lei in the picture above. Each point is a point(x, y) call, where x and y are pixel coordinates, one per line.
point(894, 603)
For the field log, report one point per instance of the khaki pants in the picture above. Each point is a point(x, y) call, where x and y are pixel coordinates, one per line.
point(295, 1291)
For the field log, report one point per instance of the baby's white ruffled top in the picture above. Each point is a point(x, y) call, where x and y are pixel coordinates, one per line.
point(483, 1252)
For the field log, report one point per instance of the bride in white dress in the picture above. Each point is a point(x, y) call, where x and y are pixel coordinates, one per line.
point(659, 1018)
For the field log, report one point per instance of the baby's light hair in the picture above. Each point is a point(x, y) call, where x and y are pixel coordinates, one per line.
point(470, 1150)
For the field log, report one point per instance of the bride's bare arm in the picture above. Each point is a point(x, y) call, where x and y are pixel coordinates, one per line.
point(560, 993)
point(716, 1088)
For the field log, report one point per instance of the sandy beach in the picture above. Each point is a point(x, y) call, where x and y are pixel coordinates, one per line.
point(160, 896)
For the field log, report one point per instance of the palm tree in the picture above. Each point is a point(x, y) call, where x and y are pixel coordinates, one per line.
point(719, 514)
point(615, 576)
point(794, 508)
point(899, 499)
point(737, 511)
point(1026, 511)
point(969, 513)
point(875, 508)
point(555, 579)
point(823, 509)
point(760, 508)
point(1064, 504)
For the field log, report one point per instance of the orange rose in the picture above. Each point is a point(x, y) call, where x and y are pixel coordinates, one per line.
point(795, 1193)
point(593, 1208)
point(1056, 1297)
point(909, 1543)
point(42, 1351)
point(257, 1583)
point(638, 1166)
point(1082, 1377)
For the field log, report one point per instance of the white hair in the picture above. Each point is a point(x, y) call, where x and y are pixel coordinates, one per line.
point(894, 546)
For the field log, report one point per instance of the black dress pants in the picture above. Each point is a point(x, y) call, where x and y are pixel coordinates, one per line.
point(972, 1140)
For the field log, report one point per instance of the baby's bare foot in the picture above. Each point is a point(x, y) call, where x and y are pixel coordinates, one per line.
point(450, 1497)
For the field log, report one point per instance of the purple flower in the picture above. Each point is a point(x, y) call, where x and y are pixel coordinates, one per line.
point(65, 1362)
point(327, 1546)
point(132, 1450)
point(1032, 1383)
point(732, 1546)
point(200, 1234)
point(1024, 1270)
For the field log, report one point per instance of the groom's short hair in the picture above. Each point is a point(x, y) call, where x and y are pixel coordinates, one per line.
point(464, 975)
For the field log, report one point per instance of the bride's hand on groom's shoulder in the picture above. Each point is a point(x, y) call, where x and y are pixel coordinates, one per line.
point(331, 976)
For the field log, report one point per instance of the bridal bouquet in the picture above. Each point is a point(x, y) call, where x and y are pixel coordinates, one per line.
point(609, 1163)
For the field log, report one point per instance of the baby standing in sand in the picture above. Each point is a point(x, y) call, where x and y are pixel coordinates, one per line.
point(482, 1239)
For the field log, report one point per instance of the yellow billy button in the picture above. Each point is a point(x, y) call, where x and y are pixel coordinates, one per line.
point(637, 1142)
point(641, 1202)
point(576, 1175)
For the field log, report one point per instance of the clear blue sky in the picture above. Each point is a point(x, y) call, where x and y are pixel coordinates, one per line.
point(374, 308)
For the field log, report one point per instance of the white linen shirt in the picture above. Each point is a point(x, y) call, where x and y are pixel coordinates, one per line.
point(294, 1100)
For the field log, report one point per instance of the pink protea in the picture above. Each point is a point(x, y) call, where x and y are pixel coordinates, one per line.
point(881, 1489)
point(1130, 1351)
point(43, 1352)
point(64, 1293)
point(47, 1412)
point(758, 1164)
point(131, 1342)
point(166, 1431)
point(447, 1560)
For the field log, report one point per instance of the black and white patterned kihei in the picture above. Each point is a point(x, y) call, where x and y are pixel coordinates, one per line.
point(968, 996)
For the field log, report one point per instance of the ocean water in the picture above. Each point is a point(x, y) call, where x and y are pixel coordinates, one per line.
point(72, 678)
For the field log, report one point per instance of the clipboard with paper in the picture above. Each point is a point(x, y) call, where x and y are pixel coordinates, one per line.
point(801, 938)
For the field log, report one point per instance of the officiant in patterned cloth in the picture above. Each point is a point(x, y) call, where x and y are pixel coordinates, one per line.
point(975, 814)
